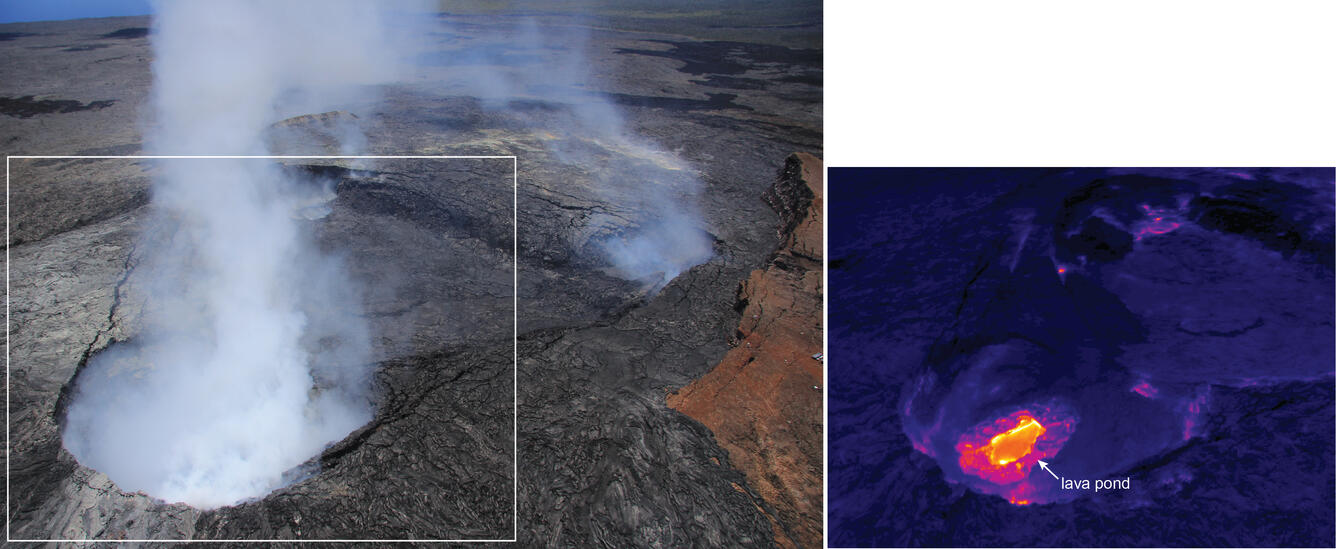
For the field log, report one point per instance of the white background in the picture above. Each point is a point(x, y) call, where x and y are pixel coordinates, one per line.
point(1126, 83)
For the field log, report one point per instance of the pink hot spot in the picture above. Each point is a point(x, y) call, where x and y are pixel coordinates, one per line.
point(1145, 389)
point(1161, 227)
point(1194, 410)
point(1158, 221)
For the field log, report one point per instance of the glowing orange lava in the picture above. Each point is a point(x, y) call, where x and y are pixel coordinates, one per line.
point(1015, 443)
point(1004, 451)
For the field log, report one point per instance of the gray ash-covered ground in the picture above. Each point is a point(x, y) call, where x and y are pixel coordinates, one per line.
point(602, 460)
point(1185, 315)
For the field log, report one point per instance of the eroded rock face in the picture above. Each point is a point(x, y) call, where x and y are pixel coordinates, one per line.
point(763, 400)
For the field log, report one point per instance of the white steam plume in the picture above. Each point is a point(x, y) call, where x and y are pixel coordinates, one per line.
point(253, 355)
point(664, 233)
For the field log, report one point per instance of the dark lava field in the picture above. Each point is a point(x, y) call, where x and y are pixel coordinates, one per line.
point(1171, 327)
point(602, 460)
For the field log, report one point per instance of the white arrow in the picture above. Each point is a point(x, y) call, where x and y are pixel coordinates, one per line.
point(1044, 465)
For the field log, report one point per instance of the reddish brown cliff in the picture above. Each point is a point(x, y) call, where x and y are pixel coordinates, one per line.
point(763, 400)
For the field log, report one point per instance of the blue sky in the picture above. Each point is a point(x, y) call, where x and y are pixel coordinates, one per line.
point(12, 11)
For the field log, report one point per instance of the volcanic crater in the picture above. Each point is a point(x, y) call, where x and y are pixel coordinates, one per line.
point(602, 458)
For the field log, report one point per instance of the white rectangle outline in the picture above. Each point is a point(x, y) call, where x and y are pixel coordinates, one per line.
point(515, 355)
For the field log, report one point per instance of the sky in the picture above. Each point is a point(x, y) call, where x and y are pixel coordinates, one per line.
point(14, 11)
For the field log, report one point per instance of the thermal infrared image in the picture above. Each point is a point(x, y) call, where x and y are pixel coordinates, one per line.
point(1081, 357)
